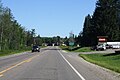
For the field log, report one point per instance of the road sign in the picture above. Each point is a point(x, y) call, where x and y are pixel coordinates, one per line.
point(71, 43)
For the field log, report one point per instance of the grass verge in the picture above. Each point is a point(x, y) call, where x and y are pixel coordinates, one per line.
point(110, 61)
point(84, 49)
point(10, 52)
point(64, 48)
point(76, 49)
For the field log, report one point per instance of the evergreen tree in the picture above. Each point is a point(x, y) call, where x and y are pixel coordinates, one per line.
point(104, 22)
point(105, 19)
point(88, 32)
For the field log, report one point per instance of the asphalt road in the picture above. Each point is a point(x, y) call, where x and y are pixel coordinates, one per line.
point(51, 64)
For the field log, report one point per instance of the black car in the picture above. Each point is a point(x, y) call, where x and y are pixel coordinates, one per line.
point(35, 49)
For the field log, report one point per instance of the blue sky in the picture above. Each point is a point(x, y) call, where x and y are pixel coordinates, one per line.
point(51, 17)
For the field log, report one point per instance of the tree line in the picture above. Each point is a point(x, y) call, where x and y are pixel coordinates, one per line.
point(105, 21)
point(13, 36)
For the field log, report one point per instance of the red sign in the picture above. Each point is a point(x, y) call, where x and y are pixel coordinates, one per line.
point(102, 39)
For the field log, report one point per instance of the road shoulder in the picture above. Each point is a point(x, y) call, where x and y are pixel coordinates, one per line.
point(95, 69)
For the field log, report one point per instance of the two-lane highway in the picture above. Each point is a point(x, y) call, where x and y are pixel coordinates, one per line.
point(50, 64)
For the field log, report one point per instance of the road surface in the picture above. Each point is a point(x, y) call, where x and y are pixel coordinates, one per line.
point(51, 64)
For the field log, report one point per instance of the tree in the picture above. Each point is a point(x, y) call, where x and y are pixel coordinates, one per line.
point(58, 40)
point(1, 27)
point(6, 24)
point(12, 34)
point(88, 32)
point(79, 40)
point(105, 21)
point(38, 40)
point(66, 41)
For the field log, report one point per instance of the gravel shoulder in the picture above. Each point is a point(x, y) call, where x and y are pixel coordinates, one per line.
point(103, 73)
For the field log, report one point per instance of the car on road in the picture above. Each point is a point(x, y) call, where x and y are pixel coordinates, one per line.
point(35, 49)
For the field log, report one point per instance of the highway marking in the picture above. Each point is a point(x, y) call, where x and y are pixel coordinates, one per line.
point(11, 67)
point(16, 65)
point(29, 60)
point(72, 67)
point(1, 75)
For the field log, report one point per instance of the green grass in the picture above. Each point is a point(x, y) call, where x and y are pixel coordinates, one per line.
point(110, 61)
point(10, 52)
point(64, 47)
point(84, 49)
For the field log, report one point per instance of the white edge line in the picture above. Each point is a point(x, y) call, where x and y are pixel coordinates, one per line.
point(72, 67)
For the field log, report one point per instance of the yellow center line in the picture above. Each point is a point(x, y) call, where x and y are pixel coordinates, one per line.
point(1, 75)
point(11, 67)
point(28, 60)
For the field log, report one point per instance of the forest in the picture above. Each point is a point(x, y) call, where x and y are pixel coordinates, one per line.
point(105, 21)
point(14, 36)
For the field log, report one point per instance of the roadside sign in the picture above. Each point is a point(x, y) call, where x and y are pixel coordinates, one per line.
point(102, 39)
point(71, 43)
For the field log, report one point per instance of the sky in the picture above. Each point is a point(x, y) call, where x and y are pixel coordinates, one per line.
point(51, 17)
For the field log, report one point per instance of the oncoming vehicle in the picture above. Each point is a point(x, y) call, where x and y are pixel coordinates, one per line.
point(35, 49)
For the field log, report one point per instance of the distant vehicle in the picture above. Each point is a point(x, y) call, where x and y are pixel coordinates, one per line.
point(93, 48)
point(100, 47)
point(115, 45)
point(35, 49)
point(108, 46)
